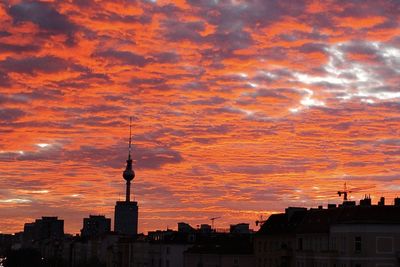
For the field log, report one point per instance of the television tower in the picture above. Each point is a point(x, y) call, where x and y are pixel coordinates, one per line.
point(129, 173)
point(127, 212)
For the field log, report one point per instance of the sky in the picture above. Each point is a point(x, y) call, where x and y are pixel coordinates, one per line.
point(240, 108)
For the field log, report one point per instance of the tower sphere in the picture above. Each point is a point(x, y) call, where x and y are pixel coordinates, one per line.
point(128, 174)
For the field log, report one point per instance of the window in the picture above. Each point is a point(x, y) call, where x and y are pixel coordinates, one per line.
point(343, 244)
point(300, 244)
point(384, 244)
point(357, 244)
point(333, 243)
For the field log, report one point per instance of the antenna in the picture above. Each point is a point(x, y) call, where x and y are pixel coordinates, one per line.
point(130, 137)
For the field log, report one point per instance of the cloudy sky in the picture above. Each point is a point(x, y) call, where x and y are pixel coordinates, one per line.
point(240, 108)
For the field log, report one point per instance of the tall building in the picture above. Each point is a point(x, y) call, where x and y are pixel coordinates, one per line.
point(95, 225)
point(126, 212)
point(44, 228)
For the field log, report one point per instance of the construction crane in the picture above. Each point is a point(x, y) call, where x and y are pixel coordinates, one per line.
point(212, 221)
point(346, 191)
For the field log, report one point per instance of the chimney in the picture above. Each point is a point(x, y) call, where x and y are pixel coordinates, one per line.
point(366, 201)
point(320, 207)
point(397, 201)
point(381, 202)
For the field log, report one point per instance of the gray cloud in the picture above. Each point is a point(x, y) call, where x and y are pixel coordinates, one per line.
point(114, 17)
point(124, 57)
point(5, 80)
point(17, 48)
point(166, 57)
point(144, 157)
point(11, 114)
point(45, 16)
point(176, 31)
point(33, 64)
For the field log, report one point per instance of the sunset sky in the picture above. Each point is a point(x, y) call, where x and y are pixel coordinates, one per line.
point(240, 108)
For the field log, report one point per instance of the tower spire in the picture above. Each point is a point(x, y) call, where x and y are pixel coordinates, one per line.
point(129, 173)
point(130, 137)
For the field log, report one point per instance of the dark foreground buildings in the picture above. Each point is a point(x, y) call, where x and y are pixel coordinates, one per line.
point(162, 248)
point(345, 236)
point(44, 228)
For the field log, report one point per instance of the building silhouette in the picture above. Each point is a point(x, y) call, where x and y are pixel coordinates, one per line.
point(95, 225)
point(233, 248)
point(44, 228)
point(126, 212)
point(347, 235)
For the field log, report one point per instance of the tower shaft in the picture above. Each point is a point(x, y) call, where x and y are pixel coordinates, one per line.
point(128, 191)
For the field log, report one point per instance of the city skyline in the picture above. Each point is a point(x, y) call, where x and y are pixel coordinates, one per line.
point(240, 108)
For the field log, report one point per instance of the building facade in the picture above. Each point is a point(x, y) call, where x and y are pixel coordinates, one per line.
point(339, 236)
point(95, 225)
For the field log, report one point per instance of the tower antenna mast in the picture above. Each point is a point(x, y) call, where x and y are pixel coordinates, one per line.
point(130, 137)
point(129, 173)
